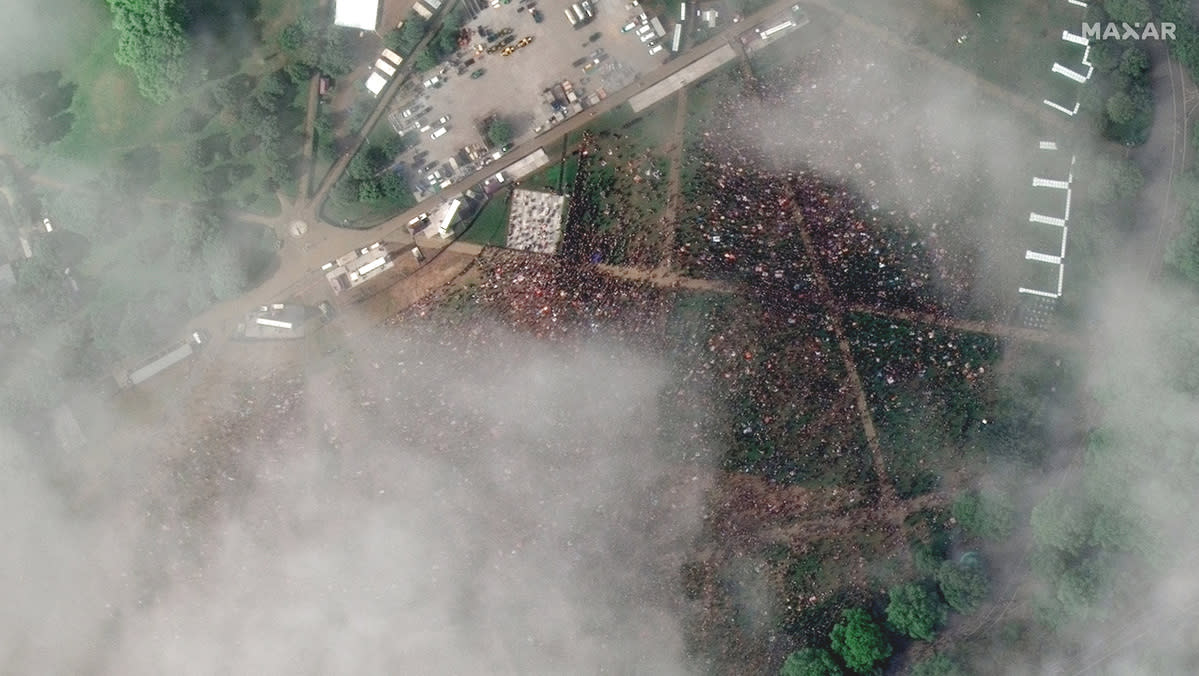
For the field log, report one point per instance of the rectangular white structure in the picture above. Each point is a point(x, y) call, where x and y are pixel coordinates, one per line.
point(375, 83)
point(1034, 217)
point(1076, 39)
point(384, 67)
point(1049, 183)
point(1048, 145)
point(773, 30)
point(362, 14)
point(445, 228)
point(1062, 70)
point(678, 37)
point(391, 56)
point(1065, 110)
point(1043, 258)
point(682, 78)
point(161, 363)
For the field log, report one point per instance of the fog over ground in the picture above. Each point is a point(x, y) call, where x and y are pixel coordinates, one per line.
point(921, 145)
point(507, 510)
point(927, 145)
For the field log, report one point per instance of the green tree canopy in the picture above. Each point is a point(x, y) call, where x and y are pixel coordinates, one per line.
point(938, 665)
point(1105, 55)
point(916, 611)
point(405, 38)
point(1134, 61)
point(985, 515)
point(859, 641)
point(152, 43)
point(1129, 11)
point(426, 60)
point(810, 662)
point(1111, 179)
point(1062, 521)
point(1120, 107)
point(499, 132)
point(963, 584)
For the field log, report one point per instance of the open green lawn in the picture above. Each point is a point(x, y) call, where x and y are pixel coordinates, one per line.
point(1012, 44)
point(114, 125)
point(490, 226)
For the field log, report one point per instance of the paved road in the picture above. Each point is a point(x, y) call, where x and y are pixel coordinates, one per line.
point(300, 259)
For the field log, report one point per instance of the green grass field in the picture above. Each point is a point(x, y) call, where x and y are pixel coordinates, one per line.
point(490, 225)
point(1010, 44)
point(113, 122)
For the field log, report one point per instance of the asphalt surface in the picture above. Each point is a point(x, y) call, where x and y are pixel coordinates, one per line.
point(298, 270)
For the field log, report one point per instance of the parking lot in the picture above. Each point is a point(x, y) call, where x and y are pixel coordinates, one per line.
point(511, 87)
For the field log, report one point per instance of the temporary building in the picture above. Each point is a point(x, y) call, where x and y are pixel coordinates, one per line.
point(375, 83)
point(362, 14)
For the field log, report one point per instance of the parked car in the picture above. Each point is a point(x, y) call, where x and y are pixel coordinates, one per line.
point(477, 74)
point(443, 120)
point(538, 17)
point(438, 133)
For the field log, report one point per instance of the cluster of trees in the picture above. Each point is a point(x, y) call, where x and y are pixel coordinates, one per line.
point(368, 178)
point(988, 515)
point(139, 275)
point(1185, 45)
point(915, 610)
point(1121, 94)
point(315, 45)
point(265, 116)
point(443, 44)
point(859, 644)
point(403, 40)
point(1182, 255)
point(153, 44)
point(499, 132)
point(35, 109)
point(1084, 534)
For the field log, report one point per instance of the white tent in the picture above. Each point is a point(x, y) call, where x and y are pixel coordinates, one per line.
point(375, 83)
point(362, 14)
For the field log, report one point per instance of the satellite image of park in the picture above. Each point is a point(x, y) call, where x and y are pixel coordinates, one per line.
point(631, 337)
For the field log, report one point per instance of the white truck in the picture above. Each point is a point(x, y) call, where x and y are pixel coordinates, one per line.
point(166, 358)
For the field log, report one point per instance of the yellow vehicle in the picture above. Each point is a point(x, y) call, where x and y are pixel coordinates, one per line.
point(524, 41)
point(508, 51)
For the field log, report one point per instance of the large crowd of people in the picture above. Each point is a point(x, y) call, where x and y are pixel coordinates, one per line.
point(899, 214)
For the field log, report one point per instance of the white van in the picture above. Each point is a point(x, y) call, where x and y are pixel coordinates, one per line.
point(438, 133)
point(655, 49)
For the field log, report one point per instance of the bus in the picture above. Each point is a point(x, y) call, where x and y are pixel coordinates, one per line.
point(570, 15)
point(166, 359)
